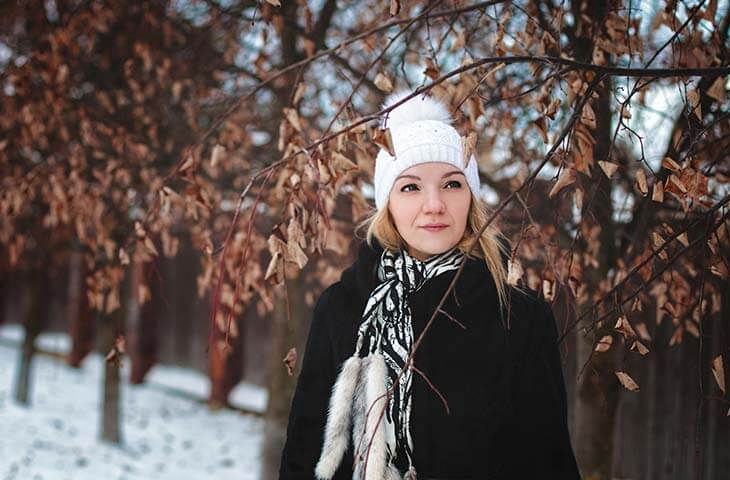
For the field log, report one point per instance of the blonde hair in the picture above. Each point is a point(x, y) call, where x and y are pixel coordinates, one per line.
point(492, 243)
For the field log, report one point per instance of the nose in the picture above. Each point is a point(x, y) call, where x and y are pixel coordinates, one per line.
point(433, 202)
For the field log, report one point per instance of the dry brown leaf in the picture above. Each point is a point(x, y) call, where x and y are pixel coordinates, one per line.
point(693, 99)
point(431, 71)
point(143, 293)
point(657, 193)
point(150, 246)
point(383, 83)
point(657, 239)
point(514, 272)
point(394, 7)
point(324, 172)
point(275, 3)
point(297, 255)
point(342, 163)
point(637, 346)
point(683, 239)
point(299, 93)
point(273, 266)
point(216, 155)
point(123, 256)
point(720, 270)
point(290, 361)
point(293, 117)
point(670, 164)
point(677, 336)
point(676, 182)
point(641, 182)
point(468, 147)
point(548, 290)
point(588, 117)
point(692, 328)
point(719, 372)
point(112, 301)
point(604, 343)
point(567, 177)
point(636, 305)
point(552, 108)
point(384, 140)
point(717, 90)
point(624, 327)
point(627, 381)
point(609, 168)
point(187, 164)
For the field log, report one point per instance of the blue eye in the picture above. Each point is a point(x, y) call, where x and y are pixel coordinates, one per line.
point(411, 187)
point(453, 184)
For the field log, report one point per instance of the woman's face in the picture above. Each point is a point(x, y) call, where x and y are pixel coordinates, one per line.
point(429, 204)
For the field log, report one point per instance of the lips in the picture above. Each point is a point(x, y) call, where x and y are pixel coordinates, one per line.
point(434, 227)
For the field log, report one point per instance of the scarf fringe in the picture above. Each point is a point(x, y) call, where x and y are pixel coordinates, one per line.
point(337, 429)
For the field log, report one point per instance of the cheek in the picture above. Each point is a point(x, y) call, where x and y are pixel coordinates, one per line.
point(461, 211)
point(403, 211)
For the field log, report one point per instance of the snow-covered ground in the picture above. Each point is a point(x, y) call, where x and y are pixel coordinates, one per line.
point(165, 436)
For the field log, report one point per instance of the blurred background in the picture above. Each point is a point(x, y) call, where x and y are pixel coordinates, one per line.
point(181, 179)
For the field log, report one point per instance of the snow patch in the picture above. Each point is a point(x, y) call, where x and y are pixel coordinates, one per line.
point(164, 436)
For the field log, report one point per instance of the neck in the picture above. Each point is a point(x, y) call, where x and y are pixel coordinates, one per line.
point(417, 254)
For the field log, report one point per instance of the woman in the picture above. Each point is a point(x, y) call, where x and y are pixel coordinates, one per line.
point(482, 396)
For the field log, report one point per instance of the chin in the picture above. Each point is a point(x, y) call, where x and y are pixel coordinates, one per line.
point(431, 249)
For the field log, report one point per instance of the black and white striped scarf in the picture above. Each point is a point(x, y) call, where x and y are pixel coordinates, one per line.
point(387, 329)
point(384, 341)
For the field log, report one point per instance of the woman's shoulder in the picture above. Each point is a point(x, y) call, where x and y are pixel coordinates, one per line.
point(331, 298)
point(524, 296)
point(529, 309)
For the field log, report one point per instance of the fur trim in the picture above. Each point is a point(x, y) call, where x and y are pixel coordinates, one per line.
point(420, 107)
point(337, 429)
point(410, 474)
point(392, 473)
point(358, 419)
point(375, 422)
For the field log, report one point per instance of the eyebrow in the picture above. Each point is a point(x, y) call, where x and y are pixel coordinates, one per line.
point(415, 177)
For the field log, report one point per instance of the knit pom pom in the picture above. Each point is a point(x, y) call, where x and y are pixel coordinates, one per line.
point(417, 108)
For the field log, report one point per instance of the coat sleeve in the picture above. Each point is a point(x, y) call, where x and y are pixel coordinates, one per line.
point(536, 440)
point(545, 358)
point(307, 417)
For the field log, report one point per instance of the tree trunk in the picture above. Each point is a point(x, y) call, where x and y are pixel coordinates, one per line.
point(22, 386)
point(598, 388)
point(225, 364)
point(80, 317)
point(142, 323)
point(290, 315)
point(111, 327)
point(35, 320)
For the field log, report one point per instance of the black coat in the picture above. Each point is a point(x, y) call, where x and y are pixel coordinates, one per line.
point(504, 388)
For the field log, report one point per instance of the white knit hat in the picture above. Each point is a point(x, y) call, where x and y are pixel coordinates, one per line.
point(421, 133)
